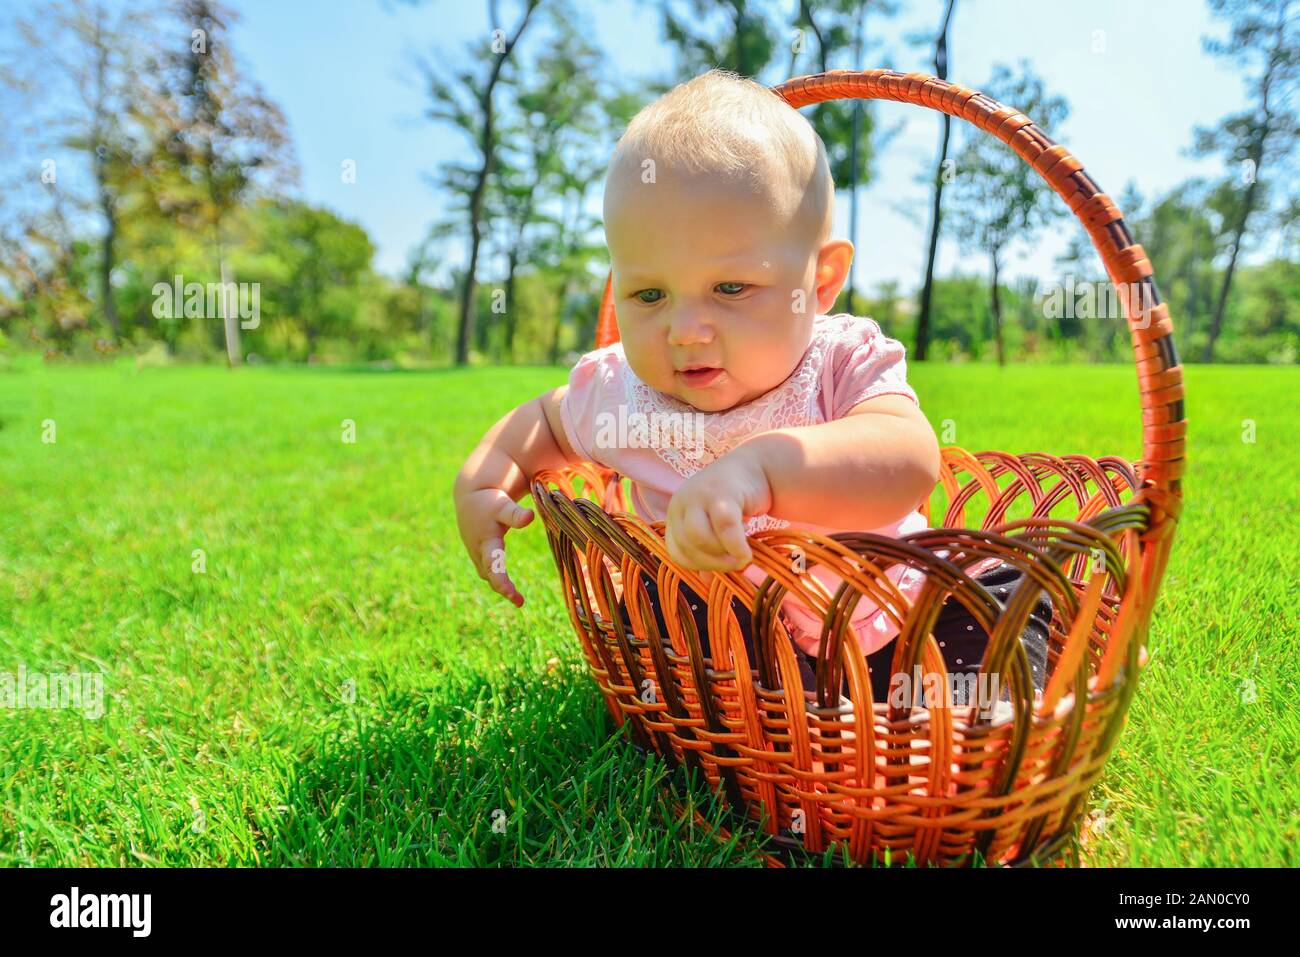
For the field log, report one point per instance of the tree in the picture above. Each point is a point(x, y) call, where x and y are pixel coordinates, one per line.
point(552, 118)
point(47, 266)
point(91, 54)
point(468, 105)
point(419, 264)
point(321, 261)
point(960, 315)
point(1087, 320)
point(850, 136)
point(1262, 37)
point(997, 196)
point(744, 44)
point(1183, 233)
point(1265, 314)
point(936, 205)
point(572, 246)
point(221, 135)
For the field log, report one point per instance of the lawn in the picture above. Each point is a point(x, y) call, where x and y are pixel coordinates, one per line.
point(301, 667)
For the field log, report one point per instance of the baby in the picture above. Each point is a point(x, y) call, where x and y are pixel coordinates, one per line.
point(718, 205)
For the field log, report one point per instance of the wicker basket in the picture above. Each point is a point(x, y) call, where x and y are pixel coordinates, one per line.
point(939, 784)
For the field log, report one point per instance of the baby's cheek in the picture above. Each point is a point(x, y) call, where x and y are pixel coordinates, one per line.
point(649, 364)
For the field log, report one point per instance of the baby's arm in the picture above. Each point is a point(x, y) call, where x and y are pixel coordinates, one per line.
point(865, 470)
point(498, 473)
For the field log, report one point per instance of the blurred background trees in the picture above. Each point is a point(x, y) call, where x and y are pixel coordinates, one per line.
point(159, 156)
point(997, 197)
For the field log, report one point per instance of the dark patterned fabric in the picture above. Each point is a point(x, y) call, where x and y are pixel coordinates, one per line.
point(961, 638)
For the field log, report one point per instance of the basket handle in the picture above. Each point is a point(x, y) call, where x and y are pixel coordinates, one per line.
point(1160, 374)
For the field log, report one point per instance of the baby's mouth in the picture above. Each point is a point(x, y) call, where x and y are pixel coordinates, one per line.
point(702, 376)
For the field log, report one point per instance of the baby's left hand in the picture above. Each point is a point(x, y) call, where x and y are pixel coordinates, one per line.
point(706, 516)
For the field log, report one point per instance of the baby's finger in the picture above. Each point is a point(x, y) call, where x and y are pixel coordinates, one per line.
point(494, 564)
point(729, 526)
point(698, 532)
point(513, 514)
point(492, 559)
point(681, 551)
point(670, 541)
point(700, 543)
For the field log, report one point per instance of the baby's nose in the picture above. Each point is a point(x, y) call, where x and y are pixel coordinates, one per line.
point(689, 330)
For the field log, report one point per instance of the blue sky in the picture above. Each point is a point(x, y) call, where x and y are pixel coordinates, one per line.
point(1135, 74)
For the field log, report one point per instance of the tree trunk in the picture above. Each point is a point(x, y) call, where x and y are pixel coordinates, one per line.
point(511, 316)
point(559, 322)
point(466, 328)
point(1256, 155)
point(231, 323)
point(106, 262)
point(1216, 324)
point(936, 208)
point(997, 309)
point(476, 197)
point(314, 327)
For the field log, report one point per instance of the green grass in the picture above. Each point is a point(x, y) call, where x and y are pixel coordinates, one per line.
point(231, 734)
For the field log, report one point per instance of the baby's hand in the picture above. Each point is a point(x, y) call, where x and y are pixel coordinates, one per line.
point(706, 515)
point(484, 517)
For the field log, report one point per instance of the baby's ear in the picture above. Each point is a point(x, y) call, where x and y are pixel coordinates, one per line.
point(833, 261)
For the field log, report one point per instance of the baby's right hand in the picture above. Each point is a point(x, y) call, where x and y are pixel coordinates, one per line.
point(484, 517)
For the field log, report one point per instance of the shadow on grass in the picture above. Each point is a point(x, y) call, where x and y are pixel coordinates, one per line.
point(513, 770)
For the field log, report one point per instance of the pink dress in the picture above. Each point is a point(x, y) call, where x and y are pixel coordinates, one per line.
point(613, 418)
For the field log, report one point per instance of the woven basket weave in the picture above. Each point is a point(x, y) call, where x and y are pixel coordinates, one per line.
point(894, 780)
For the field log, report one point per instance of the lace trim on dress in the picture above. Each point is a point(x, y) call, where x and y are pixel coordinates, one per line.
point(687, 439)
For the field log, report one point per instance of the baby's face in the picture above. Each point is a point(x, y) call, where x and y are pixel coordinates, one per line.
point(715, 290)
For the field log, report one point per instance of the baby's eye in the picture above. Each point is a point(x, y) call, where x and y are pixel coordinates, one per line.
point(649, 296)
point(730, 288)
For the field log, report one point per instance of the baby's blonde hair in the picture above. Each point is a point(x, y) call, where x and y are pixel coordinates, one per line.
point(724, 124)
